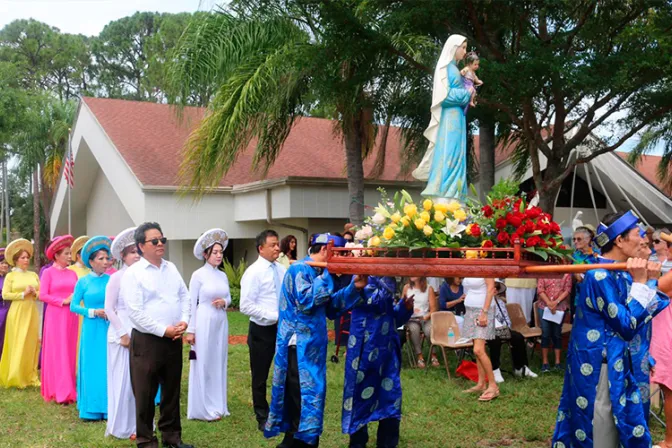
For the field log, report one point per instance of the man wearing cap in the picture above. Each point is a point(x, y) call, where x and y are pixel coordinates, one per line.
point(600, 404)
point(159, 309)
point(309, 296)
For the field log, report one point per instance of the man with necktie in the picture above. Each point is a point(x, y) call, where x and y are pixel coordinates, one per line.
point(260, 290)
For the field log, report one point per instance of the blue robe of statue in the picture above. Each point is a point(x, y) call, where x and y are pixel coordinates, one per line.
point(92, 368)
point(448, 172)
point(309, 296)
point(372, 389)
point(606, 318)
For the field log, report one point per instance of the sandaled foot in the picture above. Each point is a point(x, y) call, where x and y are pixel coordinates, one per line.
point(421, 363)
point(489, 395)
point(435, 362)
point(474, 389)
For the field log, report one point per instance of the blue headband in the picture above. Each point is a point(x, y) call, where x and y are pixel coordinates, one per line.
point(94, 245)
point(324, 238)
point(623, 224)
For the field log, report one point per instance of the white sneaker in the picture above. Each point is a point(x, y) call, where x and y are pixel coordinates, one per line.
point(498, 376)
point(526, 372)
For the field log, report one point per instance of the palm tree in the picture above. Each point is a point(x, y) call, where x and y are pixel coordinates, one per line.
point(269, 67)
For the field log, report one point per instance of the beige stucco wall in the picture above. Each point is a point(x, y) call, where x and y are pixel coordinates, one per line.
point(105, 214)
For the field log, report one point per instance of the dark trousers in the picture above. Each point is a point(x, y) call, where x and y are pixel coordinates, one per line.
point(293, 400)
point(261, 342)
point(155, 361)
point(551, 333)
point(387, 437)
point(518, 351)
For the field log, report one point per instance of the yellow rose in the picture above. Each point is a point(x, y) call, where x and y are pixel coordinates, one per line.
point(427, 204)
point(388, 234)
point(471, 254)
point(453, 206)
point(405, 221)
point(374, 242)
point(439, 216)
point(410, 210)
point(441, 207)
point(425, 216)
point(460, 215)
point(468, 229)
point(420, 223)
point(396, 217)
point(427, 230)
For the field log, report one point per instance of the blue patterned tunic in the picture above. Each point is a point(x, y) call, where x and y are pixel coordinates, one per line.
point(308, 297)
point(604, 322)
point(372, 389)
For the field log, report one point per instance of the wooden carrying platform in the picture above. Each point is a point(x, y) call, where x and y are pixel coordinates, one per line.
point(443, 262)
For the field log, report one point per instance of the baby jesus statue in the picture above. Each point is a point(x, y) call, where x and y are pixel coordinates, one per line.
point(471, 81)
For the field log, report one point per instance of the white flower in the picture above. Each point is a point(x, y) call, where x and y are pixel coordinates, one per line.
point(382, 210)
point(364, 233)
point(355, 253)
point(453, 228)
point(379, 219)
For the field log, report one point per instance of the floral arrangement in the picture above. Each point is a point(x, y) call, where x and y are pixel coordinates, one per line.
point(505, 218)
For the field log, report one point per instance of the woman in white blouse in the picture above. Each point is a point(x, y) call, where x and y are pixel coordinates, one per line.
point(120, 399)
point(208, 331)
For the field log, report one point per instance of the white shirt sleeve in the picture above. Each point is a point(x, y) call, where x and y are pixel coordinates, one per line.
point(248, 291)
point(185, 298)
point(642, 294)
point(133, 294)
point(194, 291)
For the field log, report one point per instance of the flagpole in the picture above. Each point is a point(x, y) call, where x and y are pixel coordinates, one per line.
point(67, 161)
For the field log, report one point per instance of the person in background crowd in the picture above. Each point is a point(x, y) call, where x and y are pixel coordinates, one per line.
point(451, 296)
point(349, 237)
point(522, 291)
point(260, 290)
point(120, 399)
point(600, 404)
point(159, 309)
point(661, 250)
point(61, 326)
point(287, 251)
point(309, 296)
point(76, 253)
point(661, 352)
point(372, 386)
point(425, 303)
point(89, 301)
point(208, 330)
point(479, 325)
point(553, 294)
point(20, 351)
point(4, 304)
point(584, 250)
point(503, 332)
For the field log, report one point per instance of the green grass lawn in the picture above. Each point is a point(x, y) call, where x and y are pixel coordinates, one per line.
point(436, 413)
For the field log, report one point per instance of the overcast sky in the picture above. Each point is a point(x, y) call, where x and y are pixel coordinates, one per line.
point(88, 17)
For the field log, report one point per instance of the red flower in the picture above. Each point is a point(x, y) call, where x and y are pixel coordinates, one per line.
point(543, 243)
point(533, 212)
point(514, 219)
point(552, 242)
point(486, 244)
point(555, 228)
point(516, 205)
point(487, 211)
point(500, 223)
point(544, 227)
point(475, 230)
point(533, 241)
point(503, 238)
point(529, 226)
point(520, 231)
point(562, 247)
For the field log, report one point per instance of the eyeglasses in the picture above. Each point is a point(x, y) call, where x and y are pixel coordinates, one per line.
point(577, 239)
point(156, 241)
point(656, 241)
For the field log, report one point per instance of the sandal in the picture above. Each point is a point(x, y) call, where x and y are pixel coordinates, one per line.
point(421, 363)
point(475, 389)
point(435, 362)
point(489, 395)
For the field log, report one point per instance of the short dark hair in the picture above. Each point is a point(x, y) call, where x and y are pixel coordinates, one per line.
point(608, 220)
point(139, 234)
point(263, 236)
point(471, 57)
point(315, 248)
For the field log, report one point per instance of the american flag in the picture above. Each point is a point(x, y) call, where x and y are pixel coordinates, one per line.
point(69, 170)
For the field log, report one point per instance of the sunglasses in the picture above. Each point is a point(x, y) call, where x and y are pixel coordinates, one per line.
point(156, 241)
point(577, 239)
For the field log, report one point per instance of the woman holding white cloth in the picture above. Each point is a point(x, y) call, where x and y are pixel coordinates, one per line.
point(208, 330)
point(120, 399)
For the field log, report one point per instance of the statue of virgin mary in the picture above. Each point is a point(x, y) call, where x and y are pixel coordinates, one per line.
point(444, 165)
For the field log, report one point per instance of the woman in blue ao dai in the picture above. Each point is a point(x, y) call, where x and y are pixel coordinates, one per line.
point(89, 302)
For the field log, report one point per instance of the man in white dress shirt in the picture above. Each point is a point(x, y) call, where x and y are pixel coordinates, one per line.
point(260, 289)
point(159, 309)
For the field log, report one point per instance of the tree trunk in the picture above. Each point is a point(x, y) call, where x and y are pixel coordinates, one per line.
point(46, 194)
point(486, 150)
point(550, 186)
point(5, 183)
point(36, 219)
point(355, 169)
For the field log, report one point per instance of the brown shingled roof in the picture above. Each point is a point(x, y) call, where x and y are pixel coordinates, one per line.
point(150, 138)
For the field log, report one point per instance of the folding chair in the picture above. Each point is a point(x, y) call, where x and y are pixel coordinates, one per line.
point(519, 324)
point(441, 322)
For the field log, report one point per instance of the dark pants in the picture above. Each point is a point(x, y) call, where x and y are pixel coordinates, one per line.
point(387, 437)
point(518, 351)
point(293, 400)
point(551, 333)
point(155, 361)
point(261, 341)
